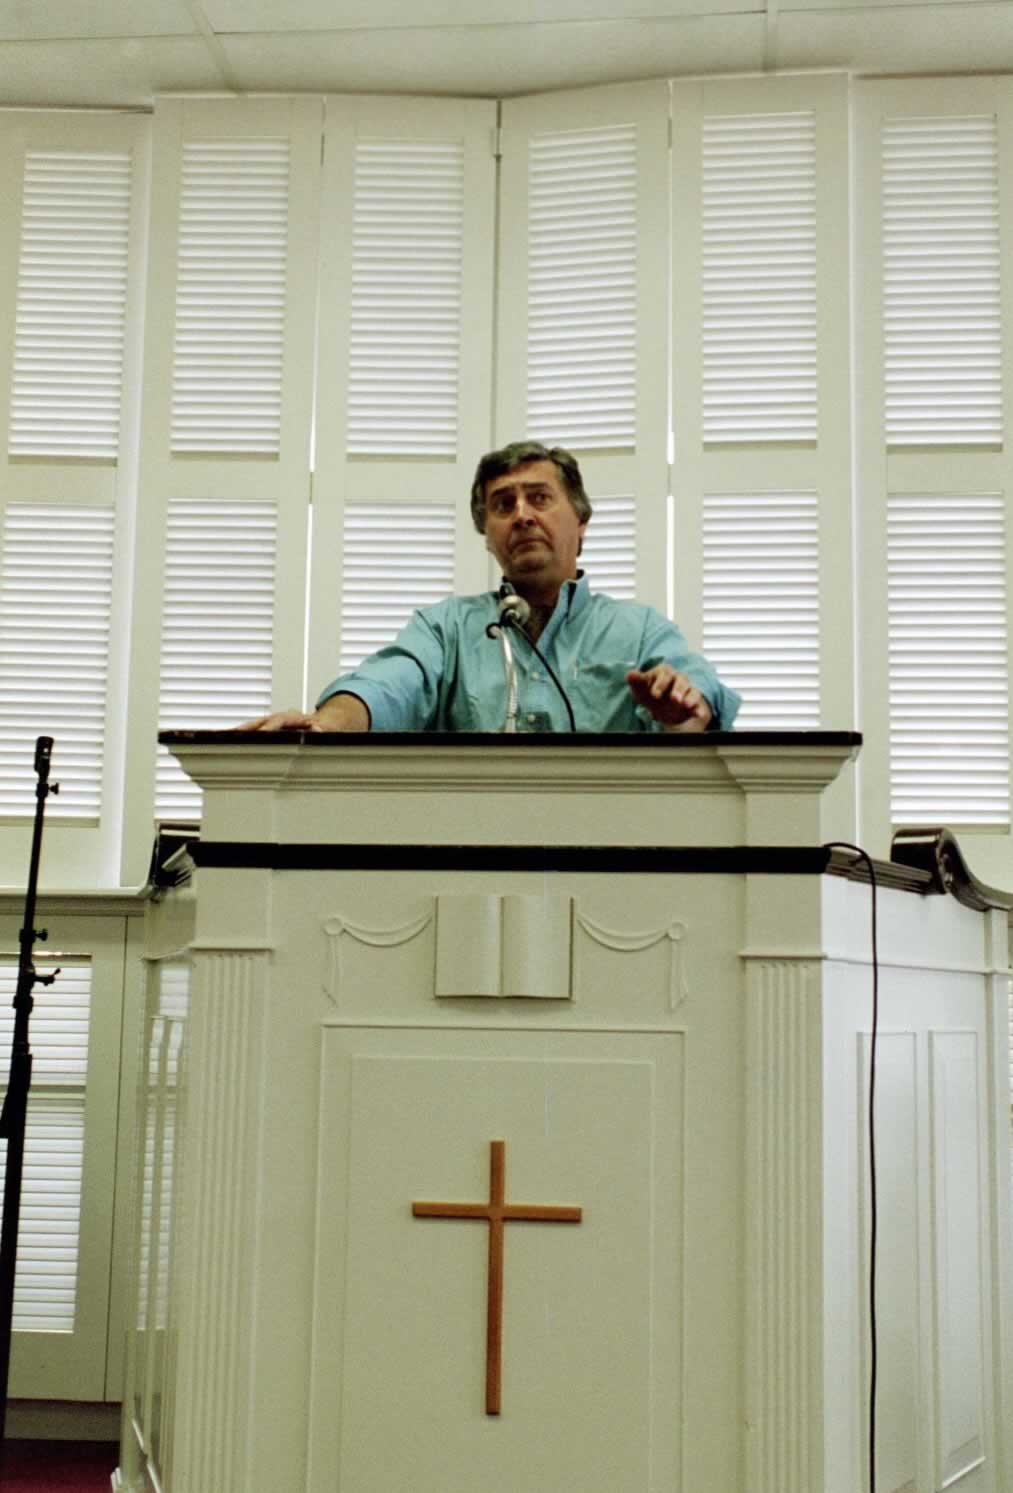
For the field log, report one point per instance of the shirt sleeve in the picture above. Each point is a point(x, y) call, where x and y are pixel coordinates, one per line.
point(664, 643)
point(400, 684)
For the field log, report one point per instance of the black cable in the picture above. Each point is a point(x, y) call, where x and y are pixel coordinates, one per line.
point(548, 667)
point(510, 616)
point(873, 1208)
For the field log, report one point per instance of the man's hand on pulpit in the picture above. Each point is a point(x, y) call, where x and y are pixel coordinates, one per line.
point(670, 697)
point(339, 713)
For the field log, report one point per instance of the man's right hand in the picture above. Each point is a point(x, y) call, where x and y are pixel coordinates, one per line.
point(339, 713)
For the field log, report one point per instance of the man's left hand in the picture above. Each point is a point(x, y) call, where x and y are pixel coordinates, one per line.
point(670, 698)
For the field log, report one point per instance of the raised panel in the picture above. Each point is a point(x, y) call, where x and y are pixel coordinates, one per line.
point(591, 1374)
point(958, 1286)
point(900, 1407)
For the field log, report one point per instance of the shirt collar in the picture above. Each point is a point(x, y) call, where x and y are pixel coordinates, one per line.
point(576, 595)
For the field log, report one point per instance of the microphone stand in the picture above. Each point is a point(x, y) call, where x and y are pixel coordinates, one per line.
point(513, 612)
point(510, 724)
point(15, 1105)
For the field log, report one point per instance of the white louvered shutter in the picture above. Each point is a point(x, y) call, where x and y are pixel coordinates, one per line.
point(396, 557)
point(761, 395)
point(761, 617)
point(583, 298)
point(609, 554)
point(49, 1235)
point(407, 251)
point(935, 479)
point(56, 587)
point(228, 358)
point(949, 663)
point(759, 278)
point(71, 304)
point(217, 625)
point(224, 485)
point(942, 333)
point(582, 288)
point(404, 367)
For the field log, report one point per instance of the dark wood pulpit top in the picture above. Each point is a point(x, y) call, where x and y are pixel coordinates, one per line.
point(524, 740)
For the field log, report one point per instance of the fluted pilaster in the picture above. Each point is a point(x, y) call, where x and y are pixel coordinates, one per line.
point(220, 1200)
point(783, 1228)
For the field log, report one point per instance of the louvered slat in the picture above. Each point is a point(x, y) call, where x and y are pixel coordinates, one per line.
point(941, 312)
point(582, 288)
point(761, 603)
point(230, 297)
point(45, 1298)
point(949, 665)
point(217, 622)
point(407, 255)
point(59, 1024)
point(55, 597)
point(397, 557)
point(71, 305)
point(609, 554)
point(759, 278)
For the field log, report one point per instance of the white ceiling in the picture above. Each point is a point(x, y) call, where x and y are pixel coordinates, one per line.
point(123, 52)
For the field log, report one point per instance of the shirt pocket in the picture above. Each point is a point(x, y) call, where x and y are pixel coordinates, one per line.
point(605, 700)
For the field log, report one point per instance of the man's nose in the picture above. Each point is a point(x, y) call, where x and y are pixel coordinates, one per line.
point(523, 511)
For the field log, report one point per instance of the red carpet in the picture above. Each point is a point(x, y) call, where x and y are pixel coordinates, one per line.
point(57, 1466)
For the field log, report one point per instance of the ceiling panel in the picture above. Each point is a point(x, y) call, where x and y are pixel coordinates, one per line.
point(47, 20)
point(895, 38)
point(496, 61)
point(132, 49)
point(846, 5)
point(103, 73)
point(278, 16)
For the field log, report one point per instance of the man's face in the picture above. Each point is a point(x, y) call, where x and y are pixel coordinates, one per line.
point(531, 527)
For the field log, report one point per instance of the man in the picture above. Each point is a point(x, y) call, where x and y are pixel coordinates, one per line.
point(623, 666)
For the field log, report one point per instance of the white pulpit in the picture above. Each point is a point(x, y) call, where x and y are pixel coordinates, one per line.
point(505, 1130)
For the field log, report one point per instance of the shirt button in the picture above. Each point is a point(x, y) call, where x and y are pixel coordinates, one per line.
point(535, 674)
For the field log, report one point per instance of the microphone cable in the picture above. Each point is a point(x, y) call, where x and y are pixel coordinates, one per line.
point(511, 617)
point(548, 667)
point(873, 1205)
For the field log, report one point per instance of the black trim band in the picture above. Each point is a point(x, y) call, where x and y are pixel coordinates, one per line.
point(613, 860)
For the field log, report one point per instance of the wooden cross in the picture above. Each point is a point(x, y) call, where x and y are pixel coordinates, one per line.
point(496, 1212)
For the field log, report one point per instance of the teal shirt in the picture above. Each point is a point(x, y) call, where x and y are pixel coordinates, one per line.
point(443, 673)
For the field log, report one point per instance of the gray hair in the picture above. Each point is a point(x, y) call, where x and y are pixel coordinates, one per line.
point(519, 454)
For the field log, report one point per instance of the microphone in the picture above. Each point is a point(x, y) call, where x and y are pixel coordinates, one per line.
point(513, 610)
